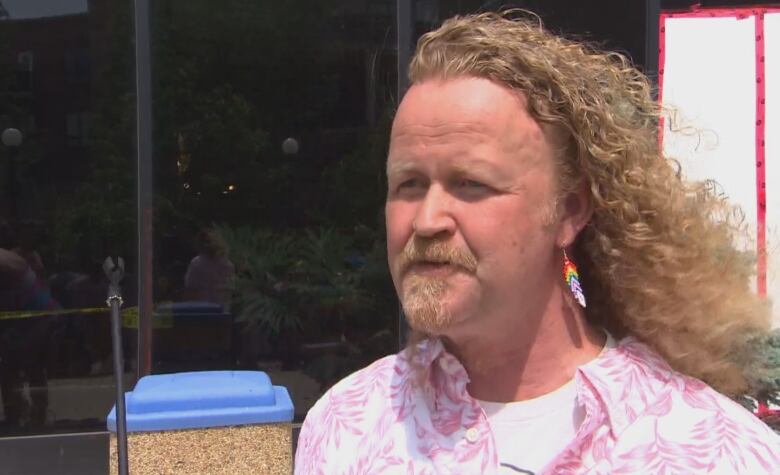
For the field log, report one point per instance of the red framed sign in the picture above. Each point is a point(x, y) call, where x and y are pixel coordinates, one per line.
point(719, 83)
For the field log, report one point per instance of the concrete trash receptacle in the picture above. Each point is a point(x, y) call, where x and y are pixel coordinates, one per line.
point(206, 422)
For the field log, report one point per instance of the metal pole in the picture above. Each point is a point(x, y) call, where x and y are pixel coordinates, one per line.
point(143, 66)
point(405, 22)
point(12, 139)
point(13, 212)
point(652, 17)
point(114, 300)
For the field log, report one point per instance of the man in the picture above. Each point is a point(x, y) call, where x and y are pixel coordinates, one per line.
point(568, 292)
point(24, 342)
point(210, 271)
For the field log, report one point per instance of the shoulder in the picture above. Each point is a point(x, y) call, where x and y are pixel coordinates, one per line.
point(361, 387)
point(363, 384)
point(683, 424)
point(12, 266)
point(345, 413)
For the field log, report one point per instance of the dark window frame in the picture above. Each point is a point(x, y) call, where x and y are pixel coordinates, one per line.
point(405, 23)
point(97, 442)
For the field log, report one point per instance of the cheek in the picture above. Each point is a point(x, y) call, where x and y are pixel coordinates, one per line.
point(500, 233)
point(398, 220)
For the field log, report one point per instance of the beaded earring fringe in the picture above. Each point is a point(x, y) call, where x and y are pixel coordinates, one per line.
point(573, 279)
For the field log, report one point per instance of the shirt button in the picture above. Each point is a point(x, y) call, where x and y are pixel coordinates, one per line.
point(472, 435)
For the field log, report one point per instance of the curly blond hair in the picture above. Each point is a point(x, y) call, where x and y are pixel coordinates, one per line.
point(660, 258)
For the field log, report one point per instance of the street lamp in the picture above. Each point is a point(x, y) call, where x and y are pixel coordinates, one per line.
point(290, 146)
point(12, 139)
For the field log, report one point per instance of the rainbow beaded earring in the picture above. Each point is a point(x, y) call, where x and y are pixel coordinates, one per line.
point(573, 279)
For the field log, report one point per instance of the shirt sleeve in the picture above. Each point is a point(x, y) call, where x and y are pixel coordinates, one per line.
point(758, 453)
point(309, 453)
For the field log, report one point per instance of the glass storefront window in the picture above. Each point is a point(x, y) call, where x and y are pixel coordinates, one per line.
point(68, 201)
point(271, 122)
point(615, 25)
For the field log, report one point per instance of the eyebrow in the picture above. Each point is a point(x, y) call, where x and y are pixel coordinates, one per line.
point(399, 168)
point(472, 165)
point(475, 165)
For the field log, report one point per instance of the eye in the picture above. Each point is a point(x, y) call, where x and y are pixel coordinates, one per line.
point(472, 184)
point(471, 190)
point(410, 183)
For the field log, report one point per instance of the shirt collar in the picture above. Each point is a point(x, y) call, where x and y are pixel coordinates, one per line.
point(598, 388)
point(425, 352)
point(612, 377)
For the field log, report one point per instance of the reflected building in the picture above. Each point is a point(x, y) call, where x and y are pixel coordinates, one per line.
point(54, 62)
point(270, 123)
point(53, 369)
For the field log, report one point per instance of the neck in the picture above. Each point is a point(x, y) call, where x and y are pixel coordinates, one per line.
point(526, 357)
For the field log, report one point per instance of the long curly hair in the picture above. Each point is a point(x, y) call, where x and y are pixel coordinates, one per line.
point(661, 257)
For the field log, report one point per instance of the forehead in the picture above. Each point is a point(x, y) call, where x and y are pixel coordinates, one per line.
point(464, 114)
point(464, 104)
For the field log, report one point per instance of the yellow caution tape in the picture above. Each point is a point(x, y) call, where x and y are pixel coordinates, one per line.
point(159, 320)
point(129, 315)
point(50, 313)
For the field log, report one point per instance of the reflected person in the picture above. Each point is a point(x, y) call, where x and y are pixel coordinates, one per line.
point(24, 342)
point(576, 306)
point(210, 271)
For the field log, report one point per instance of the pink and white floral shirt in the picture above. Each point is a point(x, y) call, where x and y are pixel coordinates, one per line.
point(641, 417)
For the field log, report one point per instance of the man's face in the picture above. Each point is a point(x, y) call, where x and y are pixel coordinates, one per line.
point(471, 193)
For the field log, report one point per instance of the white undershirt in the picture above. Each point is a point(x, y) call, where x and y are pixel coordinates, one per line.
point(530, 434)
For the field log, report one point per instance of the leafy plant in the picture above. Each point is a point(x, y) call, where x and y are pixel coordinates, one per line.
point(319, 286)
point(328, 276)
point(261, 294)
point(760, 357)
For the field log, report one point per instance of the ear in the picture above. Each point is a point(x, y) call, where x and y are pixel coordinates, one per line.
point(574, 212)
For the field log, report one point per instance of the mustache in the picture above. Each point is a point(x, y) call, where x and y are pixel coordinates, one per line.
point(429, 250)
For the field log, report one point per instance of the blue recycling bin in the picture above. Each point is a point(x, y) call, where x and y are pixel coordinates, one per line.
point(207, 422)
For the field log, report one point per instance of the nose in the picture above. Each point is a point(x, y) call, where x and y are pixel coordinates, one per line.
point(434, 216)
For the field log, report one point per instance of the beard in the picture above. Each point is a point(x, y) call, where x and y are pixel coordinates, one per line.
point(423, 297)
point(423, 304)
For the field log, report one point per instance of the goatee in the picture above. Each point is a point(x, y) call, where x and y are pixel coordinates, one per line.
point(423, 304)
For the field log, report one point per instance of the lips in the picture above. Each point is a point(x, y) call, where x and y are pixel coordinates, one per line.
point(432, 269)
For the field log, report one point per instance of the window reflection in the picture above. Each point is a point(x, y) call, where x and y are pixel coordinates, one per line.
point(615, 25)
point(271, 121)
point(66, 85)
